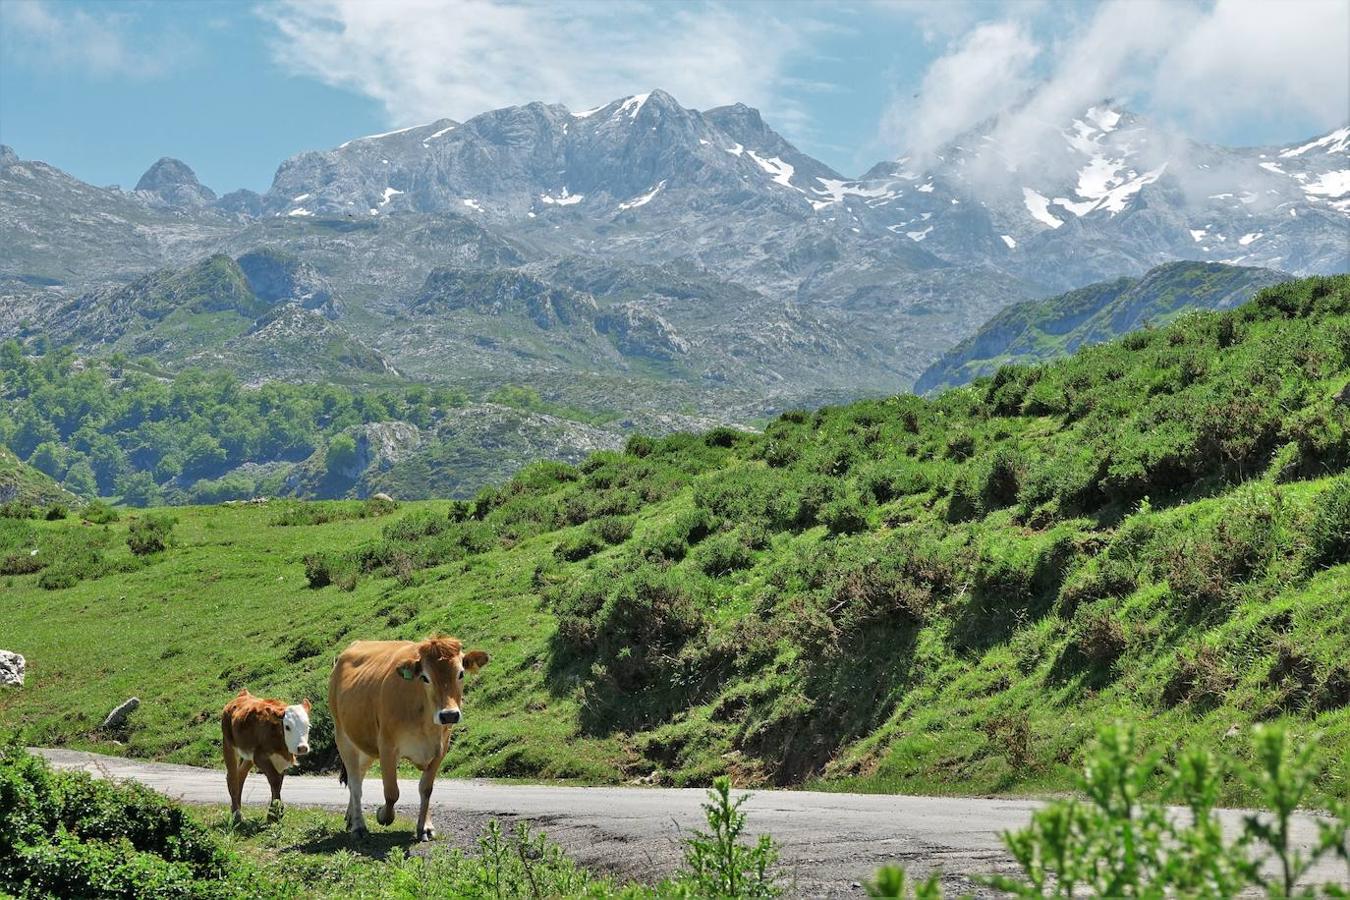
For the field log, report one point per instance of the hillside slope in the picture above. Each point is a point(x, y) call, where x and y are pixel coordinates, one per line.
point(1040, 330)
point(946, 595)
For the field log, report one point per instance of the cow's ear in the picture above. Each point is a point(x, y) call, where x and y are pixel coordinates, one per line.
point(305, 704)
point(475, 660)
point(408, 669)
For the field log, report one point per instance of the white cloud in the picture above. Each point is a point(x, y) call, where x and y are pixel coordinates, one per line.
point(424, 59)
point(1206, 67)
point(988, 70)
point(43, 34)
point(1261, 59)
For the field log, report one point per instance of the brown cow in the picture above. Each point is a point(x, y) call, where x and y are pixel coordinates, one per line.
point(264, 733)
point(395, 700)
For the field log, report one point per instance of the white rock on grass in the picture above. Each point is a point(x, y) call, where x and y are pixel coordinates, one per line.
point(11, 668)
point(118, 717)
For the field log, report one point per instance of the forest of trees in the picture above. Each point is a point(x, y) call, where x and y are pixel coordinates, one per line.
point(120, 428)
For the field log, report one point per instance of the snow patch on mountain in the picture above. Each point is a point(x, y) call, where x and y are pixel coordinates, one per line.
point(633, 104)
point(644, 199)
point(1039, 207)
point(1336, 142)
point(426, 142)
point(383, 134)
point(778, 170)
point(563, 199)
point(1330, 184)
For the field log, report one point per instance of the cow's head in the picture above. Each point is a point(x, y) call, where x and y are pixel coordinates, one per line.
point(295, 728)
point(439, 668)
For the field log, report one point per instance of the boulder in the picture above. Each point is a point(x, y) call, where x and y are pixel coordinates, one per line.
point(11, 668)
point(118, 717)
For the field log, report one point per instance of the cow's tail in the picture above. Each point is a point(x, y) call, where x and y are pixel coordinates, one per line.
point(342, 771)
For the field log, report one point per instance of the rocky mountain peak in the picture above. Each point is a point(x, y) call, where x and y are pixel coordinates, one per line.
point(7, 156)
point(170, 182)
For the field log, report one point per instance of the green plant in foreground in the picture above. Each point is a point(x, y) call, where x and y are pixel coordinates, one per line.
point(893, 882)
point(1115, 844)
point(719, 864)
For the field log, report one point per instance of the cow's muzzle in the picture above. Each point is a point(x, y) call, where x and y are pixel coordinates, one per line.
point(302, 750)
point(447, 716)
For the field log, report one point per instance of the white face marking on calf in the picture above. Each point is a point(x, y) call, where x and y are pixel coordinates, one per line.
point(295, 727)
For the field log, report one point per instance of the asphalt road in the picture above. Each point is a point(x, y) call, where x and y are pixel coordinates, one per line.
point(830, 842)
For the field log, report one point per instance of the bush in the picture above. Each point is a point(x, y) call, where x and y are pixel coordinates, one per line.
point(671, 541)
point(724, 553)
point(17, 509)
point(1329, 534)
point(578, 546)
point(68, 834)
point(613, 529)
point(1116, 845)
point(1099, 637)
point(718, 864)
point(56, 512)
point(150, 534)
point(99, 513)
point(323, 569)
point(844, 515)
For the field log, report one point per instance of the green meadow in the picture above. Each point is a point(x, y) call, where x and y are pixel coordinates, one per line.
point(949, 595)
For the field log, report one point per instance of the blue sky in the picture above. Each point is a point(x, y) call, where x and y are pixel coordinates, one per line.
point(103, 89)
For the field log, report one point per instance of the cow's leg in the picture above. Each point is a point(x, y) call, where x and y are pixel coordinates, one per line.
point(355, 763)
point(274, 779)
point(234, 780)
point(425, 830)
point(389, 774)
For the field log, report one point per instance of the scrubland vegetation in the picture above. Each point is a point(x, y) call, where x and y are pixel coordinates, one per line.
point(902, 594)
point(68, 834)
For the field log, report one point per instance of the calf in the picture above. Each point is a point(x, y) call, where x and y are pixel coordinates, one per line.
point(395, 700)
point(263, 733)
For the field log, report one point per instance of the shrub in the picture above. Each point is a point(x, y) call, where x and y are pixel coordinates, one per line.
point(613, 529)
point(844, 515)
point(56, 512)
point(578, 546)
point(1200, 678)
point(639, 445)
point(671, 541)
point(718, 864)
point(99, 513)
point(1329, 534)
point(1003, 479)
point(68, 834)
point(58, 579)
point(150, 534)
point(961, 446)
point(724, 553)
point(415, 526)
point(17, 509)
point(1100, 637)
point(323, 569)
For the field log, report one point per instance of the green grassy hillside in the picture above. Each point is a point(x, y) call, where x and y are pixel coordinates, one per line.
point(903, 594)
point(21, 483)
point(1041, 330)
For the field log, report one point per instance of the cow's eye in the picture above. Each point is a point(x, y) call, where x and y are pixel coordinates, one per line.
point(461, 674)
point(426, 678)
point(288, 728)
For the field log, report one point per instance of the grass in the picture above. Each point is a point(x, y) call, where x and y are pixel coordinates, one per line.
point(941, 596)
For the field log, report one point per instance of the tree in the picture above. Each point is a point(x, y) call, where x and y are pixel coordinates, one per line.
point(80, 479)
point(341, 456)
point(139, 489)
